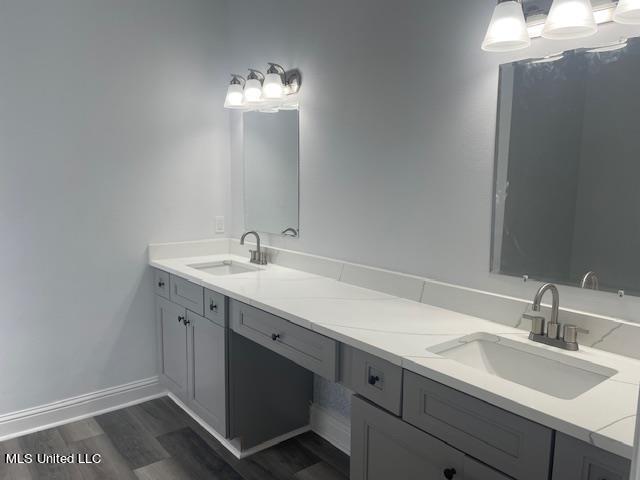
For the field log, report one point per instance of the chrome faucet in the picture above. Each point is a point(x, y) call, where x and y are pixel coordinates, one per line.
point(554, 335)
point(553, 327)
point(257, 256)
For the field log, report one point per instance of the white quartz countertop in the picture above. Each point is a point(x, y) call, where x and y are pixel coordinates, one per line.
point(401, 331)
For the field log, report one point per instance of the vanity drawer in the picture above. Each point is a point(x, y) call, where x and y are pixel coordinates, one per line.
point(577, 460)
point(215, 307)
point(507, 442)
point(161, 283)
point(375, 379)
point(187, 294)
point(308, 349)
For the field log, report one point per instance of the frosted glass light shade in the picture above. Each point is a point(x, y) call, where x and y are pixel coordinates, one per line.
point(253, 91)
point(627, 12)
point(273, 87)
point(507, 30)
point(570, 19)
point(235, 96)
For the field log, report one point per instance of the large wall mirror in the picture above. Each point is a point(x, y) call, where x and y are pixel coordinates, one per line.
point(271, 146)
point(567, 175)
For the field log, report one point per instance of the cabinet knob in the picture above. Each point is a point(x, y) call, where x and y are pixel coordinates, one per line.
point(213, 307)
point(373, 379)
point(181, 319)
point(186, 322)
point(275, 336)
point(449, 473)
point(161, 284)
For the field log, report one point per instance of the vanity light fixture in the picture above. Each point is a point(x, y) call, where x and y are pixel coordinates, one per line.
point(273, 86)
point(253, 87)
point(627, 12)
point(508, 28)
point(570, 19)
point(270, 93)
point(235, 92)
point(567, 19)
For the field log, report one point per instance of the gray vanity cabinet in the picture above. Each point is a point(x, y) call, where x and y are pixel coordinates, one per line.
point(161, 283)
point(576, 460)
point(308, 349)
point(207, 351)
point(505, 441)
point(374, 378)
point(187, 294)
point(172, 346)
point(384, 447)
point(192, 349)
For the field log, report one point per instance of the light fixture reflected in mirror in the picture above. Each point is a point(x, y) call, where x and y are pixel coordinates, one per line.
point(508, 28)
point(627, 12)
point(570, 19)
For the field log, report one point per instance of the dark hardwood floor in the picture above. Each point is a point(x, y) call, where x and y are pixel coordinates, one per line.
point(156, 440)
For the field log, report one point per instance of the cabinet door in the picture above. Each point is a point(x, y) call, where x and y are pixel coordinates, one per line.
point(208, 371)
point(383, 447)
point(577, 460)
point(172, 346)
point(509, 443)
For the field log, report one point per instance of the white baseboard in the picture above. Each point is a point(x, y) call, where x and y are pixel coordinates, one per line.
point(58, 413)
point(228, 444)
point(335, 430)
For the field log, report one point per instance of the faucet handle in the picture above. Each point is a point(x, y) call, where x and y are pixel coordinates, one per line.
point(537, 323)
point(570, 334)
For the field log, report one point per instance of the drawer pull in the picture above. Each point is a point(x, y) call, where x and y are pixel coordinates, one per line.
point(275, 336)
point(161, 284)
point(373, 379)
point(449, 473)
point(213, 307)
point(181, 319)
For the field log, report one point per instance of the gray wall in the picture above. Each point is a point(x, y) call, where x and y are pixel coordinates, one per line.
point(112, 136)
point(397, 132)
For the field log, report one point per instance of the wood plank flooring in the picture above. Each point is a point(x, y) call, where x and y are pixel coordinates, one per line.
point(157, 440)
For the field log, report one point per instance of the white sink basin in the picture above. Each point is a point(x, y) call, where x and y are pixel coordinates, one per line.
point(550, 372)
point(226, 267)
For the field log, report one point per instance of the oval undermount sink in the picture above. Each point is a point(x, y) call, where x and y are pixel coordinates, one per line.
point(553, 373)
point(225, 267)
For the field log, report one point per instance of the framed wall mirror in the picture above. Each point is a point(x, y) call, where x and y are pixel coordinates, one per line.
point(271, 172)
point(567, 172)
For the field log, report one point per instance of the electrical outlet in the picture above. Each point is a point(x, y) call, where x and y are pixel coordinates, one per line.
point(219, 224)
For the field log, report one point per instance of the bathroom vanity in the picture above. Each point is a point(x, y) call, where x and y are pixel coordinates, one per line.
point(437, 394)
point(244, 364)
